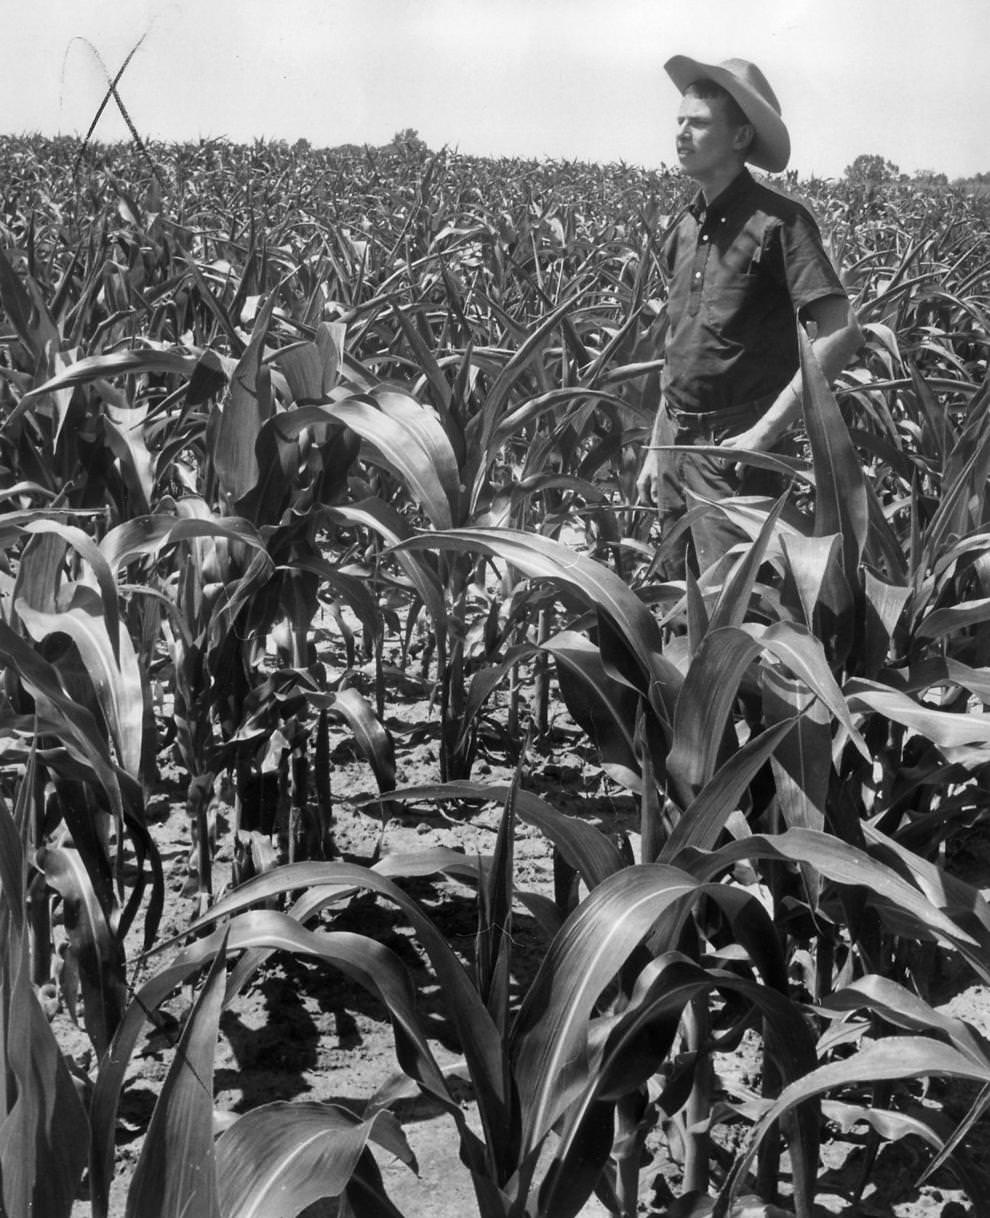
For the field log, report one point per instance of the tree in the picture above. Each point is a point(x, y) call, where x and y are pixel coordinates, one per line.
point(408, 141)
point(871, 169)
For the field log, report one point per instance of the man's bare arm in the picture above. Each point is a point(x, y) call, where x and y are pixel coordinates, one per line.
point(837, 339)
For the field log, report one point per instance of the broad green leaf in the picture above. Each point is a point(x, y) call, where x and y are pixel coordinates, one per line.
point(812, 563)
point(117, 678)
point(902, 1007)
point(146, 536)
point(548, 1042)
point(493, 411)
point(946, 729)
point(346, 587)
point(494, 939)
point(802, 762)
point(963, 488)
point(884, 607)
point(711, 686)
point(257, 933)
point(372, 739)
point(637, 1041)
point(312, 369)
point(393, 441)
point(536, 406)
point(473, 1026)
point(948, 620)
point(96, 950)
point(244, 413)
point(733, 602)
point(966, 903)
point(43, 1127)
point(176, 1174)
point(384, 520)
point(603, 707)
point(895, 1057)
point(125, 430)
point(844, 864)
point(89, 550)
point(115, 363)
point(282, 1157)
point(34, 326)
point(423, 423)
point(841, 492)
point(705, 817)
point(581, 577)
point(75, 727)
point(587, 850)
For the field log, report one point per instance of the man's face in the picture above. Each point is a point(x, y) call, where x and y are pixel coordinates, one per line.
point(707, 141)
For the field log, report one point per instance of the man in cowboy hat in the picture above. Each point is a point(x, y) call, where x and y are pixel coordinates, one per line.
point(744, 264)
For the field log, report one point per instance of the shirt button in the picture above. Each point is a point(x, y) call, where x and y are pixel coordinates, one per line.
point(697, 274)
point(705, 237)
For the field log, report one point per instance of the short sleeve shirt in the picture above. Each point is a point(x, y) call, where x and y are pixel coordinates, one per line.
point(737, 271)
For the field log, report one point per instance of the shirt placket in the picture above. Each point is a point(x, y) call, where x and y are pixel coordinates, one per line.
point(700, 264)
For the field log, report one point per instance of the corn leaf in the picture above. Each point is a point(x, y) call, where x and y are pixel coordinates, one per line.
point(843, 863)
point(705, 817)
point(248, 406)
point(89, 550)
point(548, 1042)
point(372, 739)
point(947, 729)
point(117, 678)
point(478, 1038)
point(96, 950)
point(802, 762)
point(603, 707)
point(146, 536)
point(711, 686)
point(423, 423)
point(384, 520)
point(176, 1173)
point(114, 363)
point(74, 726)
point(581, 577)
point(635, 1045)
point(282, 1157)
point(841, 493)
point(43, 1127)
point(902, 1007)
point(587, 850)
point(393, 442)
point(260, 932)
point(895, 1057)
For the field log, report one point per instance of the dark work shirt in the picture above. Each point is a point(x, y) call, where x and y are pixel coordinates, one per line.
point(737, 272)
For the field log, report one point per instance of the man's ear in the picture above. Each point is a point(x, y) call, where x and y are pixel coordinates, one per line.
point(744, 137)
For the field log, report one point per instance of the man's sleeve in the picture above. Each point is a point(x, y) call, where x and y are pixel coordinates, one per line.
point(805, 266)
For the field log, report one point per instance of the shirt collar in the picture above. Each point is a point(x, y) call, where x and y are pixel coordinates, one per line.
point(722, 201)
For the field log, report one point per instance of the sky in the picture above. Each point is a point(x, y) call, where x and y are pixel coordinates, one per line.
point(566, 79)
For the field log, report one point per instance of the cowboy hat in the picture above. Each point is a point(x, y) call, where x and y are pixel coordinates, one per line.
point(744, 81)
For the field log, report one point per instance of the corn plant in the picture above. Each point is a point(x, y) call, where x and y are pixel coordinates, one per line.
point(250, 381)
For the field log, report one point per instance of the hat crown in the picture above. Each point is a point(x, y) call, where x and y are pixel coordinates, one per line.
point(751, 76)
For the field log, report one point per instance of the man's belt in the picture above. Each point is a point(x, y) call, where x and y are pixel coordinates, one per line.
point(730, 416)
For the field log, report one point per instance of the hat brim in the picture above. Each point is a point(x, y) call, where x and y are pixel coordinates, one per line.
point(771, 149)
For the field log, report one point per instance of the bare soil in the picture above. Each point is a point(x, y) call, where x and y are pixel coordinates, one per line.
point(305, 1032)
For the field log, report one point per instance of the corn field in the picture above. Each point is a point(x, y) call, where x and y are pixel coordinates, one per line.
point(246, 392)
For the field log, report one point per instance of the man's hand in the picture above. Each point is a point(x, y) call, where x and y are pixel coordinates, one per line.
point(648, 482)
point(755, 439)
